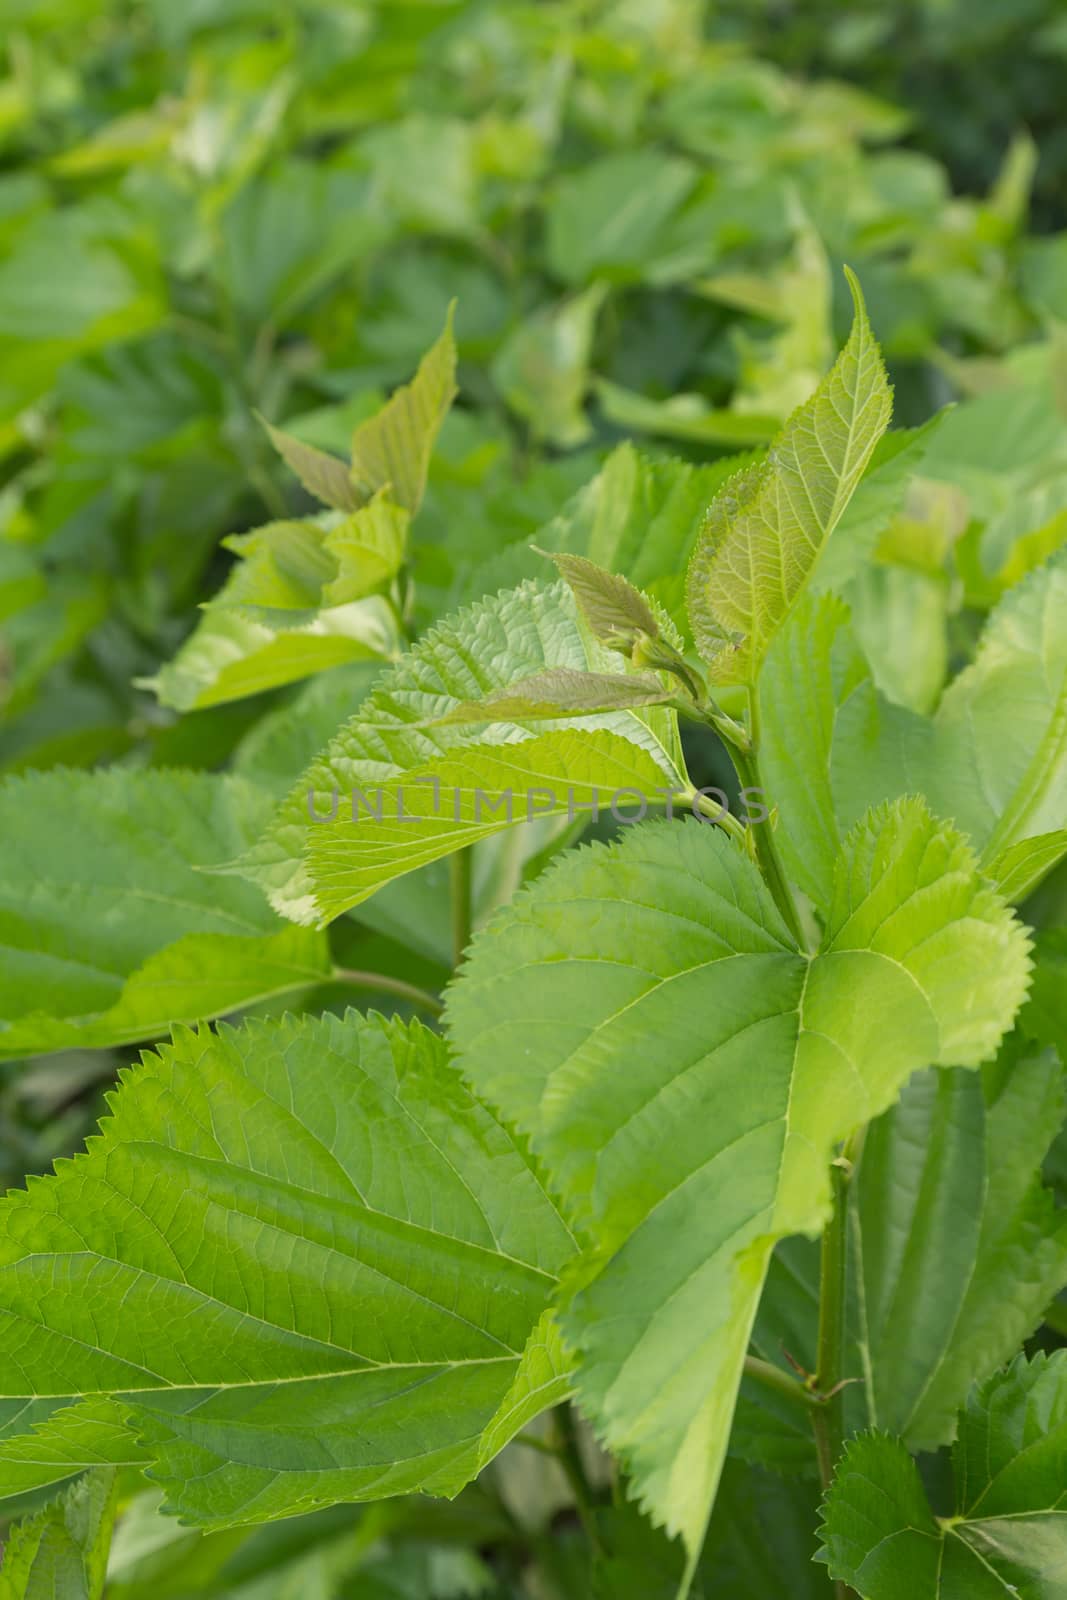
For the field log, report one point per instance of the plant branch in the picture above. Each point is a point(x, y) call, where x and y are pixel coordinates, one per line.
point(387, 985)
point(746, 763)
point(772, 1377)
point(828, 1419)
point(570, 1459)
point(460, 864)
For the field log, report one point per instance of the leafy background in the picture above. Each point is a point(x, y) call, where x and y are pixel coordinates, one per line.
point(223, 209)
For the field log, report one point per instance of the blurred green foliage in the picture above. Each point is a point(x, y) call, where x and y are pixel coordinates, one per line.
point(216, 210)
point(230, 207)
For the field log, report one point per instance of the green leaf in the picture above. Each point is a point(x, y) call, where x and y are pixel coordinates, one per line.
point(761, 1540)
point(640, 517)
point(61, 1553)
point(993, 757)
point(610, 216)
point(369, 549)
point(958, 1247)
point(1008, 1533)
point(46, 1442)
point(109, 930)
point(615, 611)
point(613, 1014)
point(562, 692)
point(322, 475)
point(439, 785)
point(233, 653)
point(392, 449)
point(302, 1259)
point(282, 742)
point(683, 416)
point(765, 530)
point(542, 368)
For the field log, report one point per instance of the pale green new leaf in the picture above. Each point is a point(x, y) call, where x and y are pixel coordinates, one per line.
point(299, 600)
point(765, 530)
point(440, 785)
point(992, 757)
point(232, 653)
point(302, 1259)
point(956, 1246)
point(110, 932)
point(61, 1552)
point(1008, 1534)
point(369, 549)
point(392, 449)
point(684, 1072)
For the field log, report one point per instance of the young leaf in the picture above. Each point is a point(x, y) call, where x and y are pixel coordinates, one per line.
point(392, 449)
point(1008, 1533)
point(640, 517)
point(616, 612)
point(368, 548)
point(439, 785)
point(614, 1012)
point(993, 757)
point(232, 653)
point(298, 601)
point(958, 1247)
point(322, 475)
point(305, 1262)
point(109, 930)
point(766, 528)
point(61, 1552)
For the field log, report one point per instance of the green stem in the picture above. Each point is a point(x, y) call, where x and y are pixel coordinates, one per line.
point(828, 1417)
point(829, 1420)
point(460, 883)
point(747, 765)
point(387, 985)
point(773, 1377)
point(570, 1459)
point(714, 813)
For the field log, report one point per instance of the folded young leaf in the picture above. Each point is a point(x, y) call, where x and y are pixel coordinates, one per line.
point(993, 757)
point(958, 1247)
point(61, 1552)
point(765, 529)
point(392, 449)
point(402, 784)
point(302, 1259)
point(323, 475)
point(684, 1073)
point(616, 612)
point(108, 929)
point(1008, 1533)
